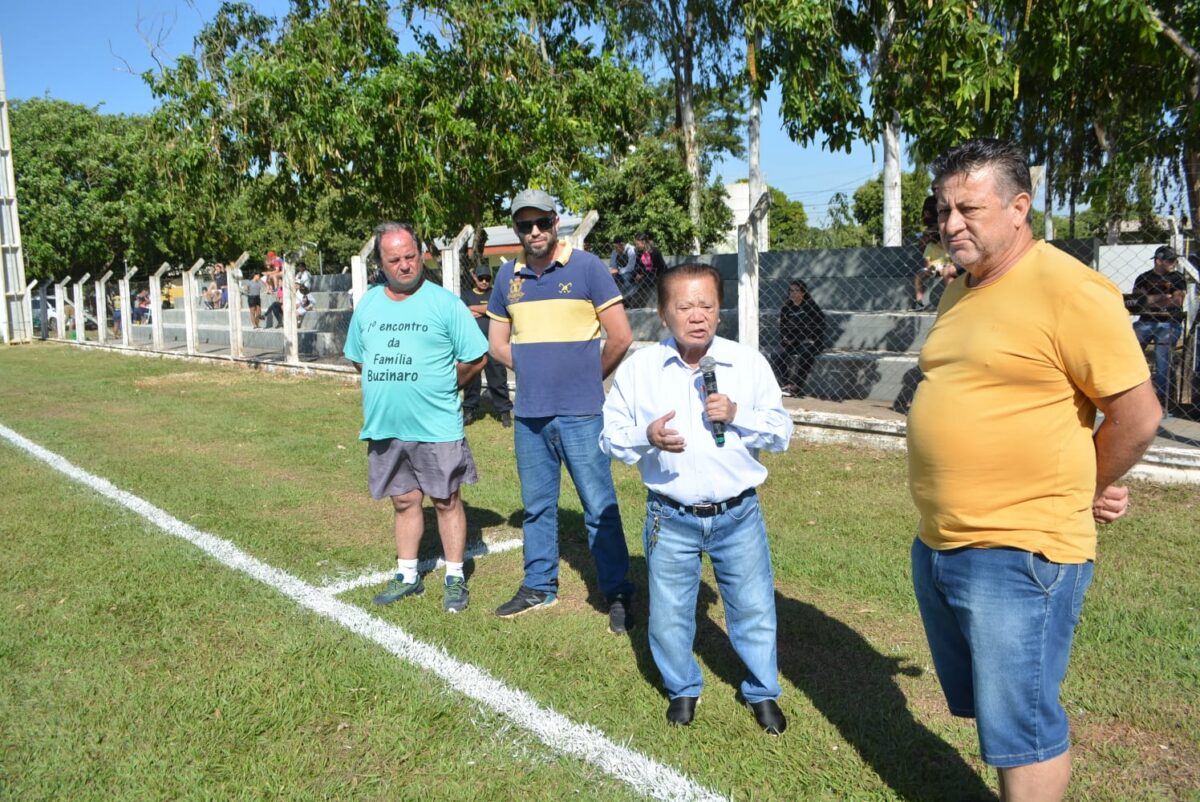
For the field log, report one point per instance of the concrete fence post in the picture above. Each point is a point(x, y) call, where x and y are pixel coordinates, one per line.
point(102, 308)
point(156, 307)
point(126, 306)
point(80, 325)
point(234, 307)
point(191, 297)
point(60, 303)
point(748, 272)
point(452, 260)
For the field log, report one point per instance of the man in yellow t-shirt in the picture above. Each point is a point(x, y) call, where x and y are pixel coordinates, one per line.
point(1004, 466)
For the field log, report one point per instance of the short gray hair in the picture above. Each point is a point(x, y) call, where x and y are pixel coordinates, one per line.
point(1003, 157)
point(390, 227)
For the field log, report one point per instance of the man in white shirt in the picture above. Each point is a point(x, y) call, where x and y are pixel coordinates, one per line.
point(701, 487)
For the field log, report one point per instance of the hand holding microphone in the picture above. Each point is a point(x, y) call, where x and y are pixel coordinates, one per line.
point(720, 409)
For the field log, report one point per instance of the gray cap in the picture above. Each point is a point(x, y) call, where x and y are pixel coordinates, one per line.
point(1166, 252)
point(483, 270)
point(532, 199)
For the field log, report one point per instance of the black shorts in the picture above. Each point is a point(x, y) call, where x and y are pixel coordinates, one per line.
point(254, 300)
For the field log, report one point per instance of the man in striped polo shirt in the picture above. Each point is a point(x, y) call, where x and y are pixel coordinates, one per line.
point(547, 311)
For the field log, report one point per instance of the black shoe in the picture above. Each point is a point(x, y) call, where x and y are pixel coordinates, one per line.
point(469, 417)
point(506, 420)
point(620, 617)
point(526, 599)
point(681, 710)
point(769, 716)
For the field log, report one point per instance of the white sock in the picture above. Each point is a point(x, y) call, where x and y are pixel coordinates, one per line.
point(454, 569)
point(407, 570)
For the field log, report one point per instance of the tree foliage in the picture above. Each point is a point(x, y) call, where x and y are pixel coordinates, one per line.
point(788, 230)
point(498, 95)
point(645, 193)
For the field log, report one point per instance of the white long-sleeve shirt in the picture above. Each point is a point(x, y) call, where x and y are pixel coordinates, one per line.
point(655, 380)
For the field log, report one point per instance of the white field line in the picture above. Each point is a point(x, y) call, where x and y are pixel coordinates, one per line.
point(425, 566)
point(583, 741)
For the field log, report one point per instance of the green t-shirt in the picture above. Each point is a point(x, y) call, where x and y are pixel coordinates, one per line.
point(409, 351)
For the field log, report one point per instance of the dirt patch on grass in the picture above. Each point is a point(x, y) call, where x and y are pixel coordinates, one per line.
point(218, 378)
point(1164, 762)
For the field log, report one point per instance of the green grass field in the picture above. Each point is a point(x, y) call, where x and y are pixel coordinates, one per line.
point(134, 666)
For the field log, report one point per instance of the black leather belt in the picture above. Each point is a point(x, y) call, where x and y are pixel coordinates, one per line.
point(706, 510)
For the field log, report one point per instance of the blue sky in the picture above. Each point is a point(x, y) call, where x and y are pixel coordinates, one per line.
point(93, 52)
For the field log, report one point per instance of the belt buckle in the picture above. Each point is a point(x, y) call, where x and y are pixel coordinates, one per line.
point(704, 510)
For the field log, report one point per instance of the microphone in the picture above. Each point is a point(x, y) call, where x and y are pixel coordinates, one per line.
point(708, 366)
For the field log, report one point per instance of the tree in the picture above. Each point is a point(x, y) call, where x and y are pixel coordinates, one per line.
point(500, 94)
point(869, 203)
point(789, 223)
point(88, 195)
point(693, 36)
point(642, 195)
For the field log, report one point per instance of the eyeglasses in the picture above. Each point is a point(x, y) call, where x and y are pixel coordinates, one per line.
point(526, 226)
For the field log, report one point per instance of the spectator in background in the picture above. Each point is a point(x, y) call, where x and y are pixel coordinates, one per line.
point(801, 338)
point(275, 310)
point(649, 267)
point(476, 298)
point(303, 277)
point(273, 272)
point(1159, 293)
point(935, 262)
point(304, 304)
point(254, 292)
point(622, 264)
point(221, 279)
point(141, 306)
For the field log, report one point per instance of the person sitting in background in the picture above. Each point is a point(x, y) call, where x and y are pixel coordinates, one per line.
point(1160, 293)
point(303, 277)
point(649, 267)
point(275, 310)
point(801, 338)
point(935, 262)
point(304, 304)
point(622, 264)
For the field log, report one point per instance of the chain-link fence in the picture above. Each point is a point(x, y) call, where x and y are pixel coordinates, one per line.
point(849, 324)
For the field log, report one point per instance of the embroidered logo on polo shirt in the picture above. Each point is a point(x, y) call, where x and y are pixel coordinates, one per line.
point(515, 293)
point(564, 289)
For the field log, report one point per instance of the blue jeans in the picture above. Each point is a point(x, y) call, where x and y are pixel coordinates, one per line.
point(1164, 334)
point(1000, 623)
point(736, 542)
point(543, 446)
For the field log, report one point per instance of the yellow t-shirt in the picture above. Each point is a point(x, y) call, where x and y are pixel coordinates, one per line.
point(936, 256)
point(1000, 448)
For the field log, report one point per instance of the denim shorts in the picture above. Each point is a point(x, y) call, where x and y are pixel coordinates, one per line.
point(1000, 624)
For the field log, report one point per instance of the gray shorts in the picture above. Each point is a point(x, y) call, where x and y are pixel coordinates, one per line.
point(396, 467)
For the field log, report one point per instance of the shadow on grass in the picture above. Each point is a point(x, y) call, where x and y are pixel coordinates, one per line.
point(478, 519)
point(854, 688)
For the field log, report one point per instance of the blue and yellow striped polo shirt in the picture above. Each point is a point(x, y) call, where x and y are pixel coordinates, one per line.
point(555, 331)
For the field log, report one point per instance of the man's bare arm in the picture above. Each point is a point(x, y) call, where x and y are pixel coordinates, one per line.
point(619, 338)
point(469, 370)
point(1130, 422)
point(499, 345)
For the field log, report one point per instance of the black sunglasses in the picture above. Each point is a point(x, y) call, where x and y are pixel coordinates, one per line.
point(526, 226)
